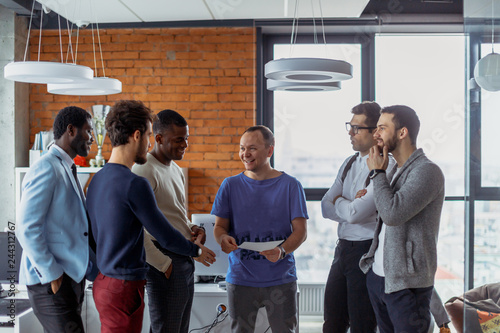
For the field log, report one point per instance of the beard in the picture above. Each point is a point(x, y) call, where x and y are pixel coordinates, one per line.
point(392, 143)
point(139, 159)
point(141, 156)
point(79, 145)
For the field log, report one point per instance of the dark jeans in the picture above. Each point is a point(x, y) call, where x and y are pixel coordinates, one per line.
point(347, 304)
point(120, 304)
point(58, 312)
point(404, 311)
point(170, 300)
point(280, 302)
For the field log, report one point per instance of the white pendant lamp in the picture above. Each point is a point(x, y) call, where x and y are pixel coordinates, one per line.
point(94, 87)
point(45, 71)
point(97, 86)
point(306, 74)
point(308, 70)
point(487, 72)
point(487, 69)
point(275, 85)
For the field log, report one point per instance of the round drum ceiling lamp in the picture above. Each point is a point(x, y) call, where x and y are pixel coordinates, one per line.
point(306, 74)
point(45, 71)
point(275, 85)
point(94, 87)
point(308, 70)
point(487, 69)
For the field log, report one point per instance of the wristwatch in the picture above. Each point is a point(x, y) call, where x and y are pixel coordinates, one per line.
point(199, 251)
point(375, 172)
point(283, 252)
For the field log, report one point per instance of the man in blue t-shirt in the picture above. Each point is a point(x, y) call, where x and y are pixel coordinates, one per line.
point(261, 205)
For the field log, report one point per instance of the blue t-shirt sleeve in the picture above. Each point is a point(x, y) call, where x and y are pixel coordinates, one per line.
point(221, 207)
point(143, 204)
point(298, 201)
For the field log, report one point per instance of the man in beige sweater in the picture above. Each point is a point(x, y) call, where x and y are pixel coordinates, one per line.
point(170, 280)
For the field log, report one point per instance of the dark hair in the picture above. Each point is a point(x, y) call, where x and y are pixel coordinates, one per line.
point(166, 118)
point(126, 117)
point(266, 133)
point(70, 115)
point(371, 110)
point(404, 116)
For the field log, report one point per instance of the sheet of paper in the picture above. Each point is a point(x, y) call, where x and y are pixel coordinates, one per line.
point(260, 246)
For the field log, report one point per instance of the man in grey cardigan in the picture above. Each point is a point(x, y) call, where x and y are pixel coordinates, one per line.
point(402, 260)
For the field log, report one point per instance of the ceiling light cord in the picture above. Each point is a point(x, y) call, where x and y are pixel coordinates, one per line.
point(294, 28)
point(60, 37)
point(40, 37)
point(322, 22)
point(492, 26)
point(100, 49)
point(29, 31)
point(315, 35)
point(70, 42)
point(93, 50)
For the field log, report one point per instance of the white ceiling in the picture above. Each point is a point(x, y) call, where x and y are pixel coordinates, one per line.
point(115, 11)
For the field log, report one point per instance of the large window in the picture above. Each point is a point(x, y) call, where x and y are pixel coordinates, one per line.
point(490, 118)
point(312, 142)
point(419, 71)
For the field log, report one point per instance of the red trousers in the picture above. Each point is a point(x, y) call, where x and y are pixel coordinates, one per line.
point(120, 304)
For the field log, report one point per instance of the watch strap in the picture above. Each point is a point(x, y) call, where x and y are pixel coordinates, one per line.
point(282, 251)
point(375, 172)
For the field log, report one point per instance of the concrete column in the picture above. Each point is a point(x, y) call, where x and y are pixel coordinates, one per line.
point(14, 113)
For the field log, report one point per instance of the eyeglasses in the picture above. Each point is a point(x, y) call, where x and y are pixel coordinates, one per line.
point(355, 128)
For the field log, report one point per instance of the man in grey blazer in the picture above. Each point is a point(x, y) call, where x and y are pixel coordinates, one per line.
point(402, 260)
point(53, 229)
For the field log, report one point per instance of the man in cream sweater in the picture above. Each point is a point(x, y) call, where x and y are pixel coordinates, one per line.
point(170, 280)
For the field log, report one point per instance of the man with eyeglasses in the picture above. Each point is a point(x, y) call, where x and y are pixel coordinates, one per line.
point(350, 202)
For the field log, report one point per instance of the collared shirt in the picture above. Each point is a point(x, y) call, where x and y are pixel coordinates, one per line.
point(66, 158)
point(356, 217)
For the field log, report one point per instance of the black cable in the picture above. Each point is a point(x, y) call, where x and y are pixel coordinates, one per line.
point(213, 324)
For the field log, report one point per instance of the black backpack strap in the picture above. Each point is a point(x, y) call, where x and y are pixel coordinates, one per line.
point(367, 181)
point(348, 166)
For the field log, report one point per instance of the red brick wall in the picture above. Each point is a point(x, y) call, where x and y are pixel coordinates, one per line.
point(206, 74)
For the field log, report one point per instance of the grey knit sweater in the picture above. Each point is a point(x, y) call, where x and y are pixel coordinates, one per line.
point(411, 209)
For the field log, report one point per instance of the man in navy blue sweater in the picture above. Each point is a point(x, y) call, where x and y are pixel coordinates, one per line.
point(120, 205)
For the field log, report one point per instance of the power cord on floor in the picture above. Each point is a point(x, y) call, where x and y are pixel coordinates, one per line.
point(221, 315)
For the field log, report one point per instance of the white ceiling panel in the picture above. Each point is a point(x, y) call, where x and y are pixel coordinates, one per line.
point(103, 11)
point(115, 11)
point(276, 9)
point(169, 10)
